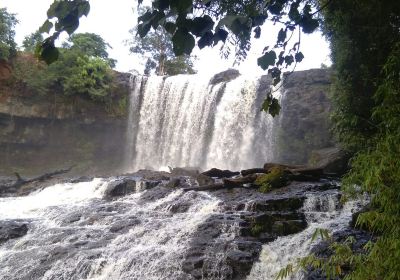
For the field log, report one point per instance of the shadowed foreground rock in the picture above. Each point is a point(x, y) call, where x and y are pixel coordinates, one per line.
point(12, 229)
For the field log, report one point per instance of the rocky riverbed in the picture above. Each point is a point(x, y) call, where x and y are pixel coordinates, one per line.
point(155, 225)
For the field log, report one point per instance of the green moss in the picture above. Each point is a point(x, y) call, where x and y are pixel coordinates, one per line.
point(256, 229)
point(276, 178)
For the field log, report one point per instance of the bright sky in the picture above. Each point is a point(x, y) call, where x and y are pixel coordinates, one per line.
point(113, 20)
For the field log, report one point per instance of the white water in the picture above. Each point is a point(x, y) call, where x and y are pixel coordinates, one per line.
point(322, 211)
point(70, 234)
point(185, 121)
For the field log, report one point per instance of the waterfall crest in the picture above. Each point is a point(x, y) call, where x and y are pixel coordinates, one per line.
point(186, 121)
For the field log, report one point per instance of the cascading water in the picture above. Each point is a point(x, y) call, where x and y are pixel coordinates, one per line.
point(322, 211)
point(74, 234)
point(187, 121)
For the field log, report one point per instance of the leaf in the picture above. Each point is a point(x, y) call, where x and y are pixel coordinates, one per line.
point(170, 27)
point(259, 20)
point(84, 9)
point(156, 18)
point(161, 4)
point(201, 25)
point(298, 57)
point(46, 27)
point(220, 35)
point(276, 8)
point(48, 52)
point(143, 29)
point(268, 59)
point(181, 6)
point(274, 107)
point(51, 12)
point(183, 42)
point(206, 40)
point(308, 25)
point(257, 32)
point(294, 14)
point(281, 35)
point(289, 59)
point(70, 24)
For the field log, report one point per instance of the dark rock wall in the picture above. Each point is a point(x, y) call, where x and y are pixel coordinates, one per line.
point(303, 124)
point(43, 133)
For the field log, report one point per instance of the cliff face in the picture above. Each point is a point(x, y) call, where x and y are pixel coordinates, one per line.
point(304, 123)
point(41, 133)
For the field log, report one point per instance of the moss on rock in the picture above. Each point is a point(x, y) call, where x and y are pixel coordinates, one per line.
point(276, 178)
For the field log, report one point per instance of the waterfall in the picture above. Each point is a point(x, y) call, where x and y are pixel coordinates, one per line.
point(186, 121)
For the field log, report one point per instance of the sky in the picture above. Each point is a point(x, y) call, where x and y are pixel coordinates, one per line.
point(113, 20)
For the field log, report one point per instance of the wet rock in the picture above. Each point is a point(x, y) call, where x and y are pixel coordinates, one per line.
point(180, 182)
point(203, 180)
point(12, 229)
point(124, 226)
point(240, 181)
point(81, 179)
point(187, 171)
point(277, 177)
point(218, 173)
point(224, 76)
point(332, 160)
point(152, 175)
point(120, 188)
point(145, 185)
point(253, 171)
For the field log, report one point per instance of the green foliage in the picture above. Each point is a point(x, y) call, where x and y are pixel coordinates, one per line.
point(90, 76)
point(158, 47)
point(31, 41)
point(207, 23)
point(276, 178)
point(256, 229)
point(375, 170)
point(91, 45)
point(33, 75)
point(359, 50)
point(211, 22)
point(7, 33)
point(66, 15)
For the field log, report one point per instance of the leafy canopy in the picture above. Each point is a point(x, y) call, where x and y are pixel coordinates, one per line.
point(90, 44)
point(206, 23)
point(31, 41)
point(7, 33)
point(158, 48)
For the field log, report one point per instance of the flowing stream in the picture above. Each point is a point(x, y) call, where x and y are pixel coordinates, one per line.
point(75, 233)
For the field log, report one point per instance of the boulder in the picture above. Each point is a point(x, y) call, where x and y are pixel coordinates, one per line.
point(203, 180)
point(253, 171)
point(12, 229)
point(120, 187)
point(332, 160)
point(276, 178)
point(187, 171)
point(238, 182)
point(218, 173)
point(225, 76)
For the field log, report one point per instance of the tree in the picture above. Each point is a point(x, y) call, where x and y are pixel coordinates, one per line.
point(157, 46)
point(7, 33)
point(31, 41)
point(90, 44)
